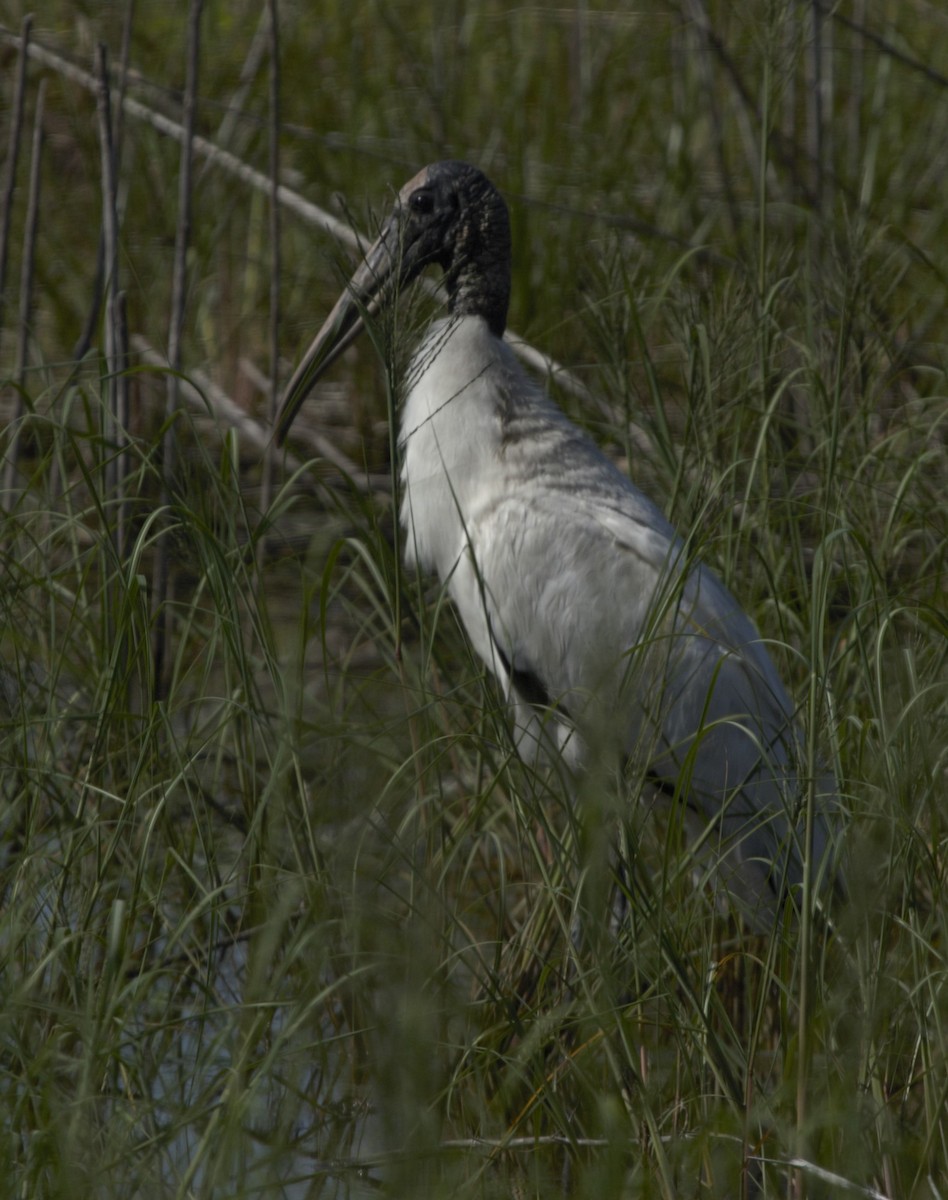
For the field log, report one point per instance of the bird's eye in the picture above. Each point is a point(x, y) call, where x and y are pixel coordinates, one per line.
point(422, 203)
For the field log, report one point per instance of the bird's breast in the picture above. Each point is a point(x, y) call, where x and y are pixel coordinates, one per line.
point(450, 441)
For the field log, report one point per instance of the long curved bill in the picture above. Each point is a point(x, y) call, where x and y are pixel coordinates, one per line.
point(364, 295)
point(387, 265)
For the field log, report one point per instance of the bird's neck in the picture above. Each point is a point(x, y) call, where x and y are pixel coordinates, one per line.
point(449, 438)
point(480, 291)
point(477, 275)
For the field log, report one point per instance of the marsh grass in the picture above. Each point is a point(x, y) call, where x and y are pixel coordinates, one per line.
point(293, 919)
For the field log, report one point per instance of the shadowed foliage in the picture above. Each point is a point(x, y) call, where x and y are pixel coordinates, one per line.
point(282, 912)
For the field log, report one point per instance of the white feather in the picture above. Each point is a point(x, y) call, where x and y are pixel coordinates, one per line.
point(563, 572)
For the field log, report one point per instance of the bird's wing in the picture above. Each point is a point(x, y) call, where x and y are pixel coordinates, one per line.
point(592, 609)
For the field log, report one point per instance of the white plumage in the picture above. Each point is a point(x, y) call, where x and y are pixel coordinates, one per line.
point(572, 586)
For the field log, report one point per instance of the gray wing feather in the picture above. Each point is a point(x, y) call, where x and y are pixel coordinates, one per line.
point(688, 687)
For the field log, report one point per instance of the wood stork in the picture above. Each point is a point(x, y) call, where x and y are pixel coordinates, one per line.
point(574, 589)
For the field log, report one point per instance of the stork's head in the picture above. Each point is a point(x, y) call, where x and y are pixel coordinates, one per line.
point(449, 214)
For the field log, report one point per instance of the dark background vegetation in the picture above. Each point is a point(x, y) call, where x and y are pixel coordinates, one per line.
point(281, 914)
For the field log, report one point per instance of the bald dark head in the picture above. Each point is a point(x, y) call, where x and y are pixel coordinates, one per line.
point(451, 214)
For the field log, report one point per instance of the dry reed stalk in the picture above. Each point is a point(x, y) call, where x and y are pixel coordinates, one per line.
point(13, 154)
point(227, 130)
point(266, 490)
point(26, 292)
point(311, 214)
point(85, 339)
point(161, 588)
point(113, 428)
